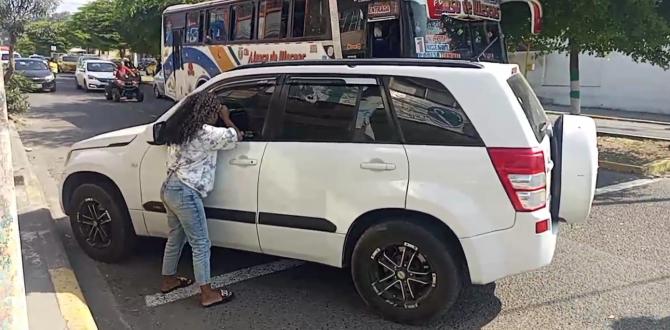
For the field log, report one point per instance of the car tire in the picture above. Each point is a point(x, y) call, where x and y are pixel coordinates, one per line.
point(86, 89)
point(157, 93)
point(116, 95)
point(140, 96)
point(53, 89)
point(76, 82)
point(425, 274)
point(109, 238)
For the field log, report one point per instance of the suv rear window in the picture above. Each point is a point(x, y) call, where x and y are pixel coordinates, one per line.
point(531, 106)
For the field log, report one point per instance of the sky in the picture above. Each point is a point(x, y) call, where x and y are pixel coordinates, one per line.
point(71, 5)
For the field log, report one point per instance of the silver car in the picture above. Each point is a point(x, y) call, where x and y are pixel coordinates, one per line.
point(159, 85)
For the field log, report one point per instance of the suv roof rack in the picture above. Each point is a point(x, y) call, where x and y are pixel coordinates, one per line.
point(370, 61)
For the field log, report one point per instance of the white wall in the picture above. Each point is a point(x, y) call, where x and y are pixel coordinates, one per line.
point(613, 82)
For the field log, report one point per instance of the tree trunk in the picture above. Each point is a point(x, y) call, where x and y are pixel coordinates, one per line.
point(575, 93)
point(12, 63)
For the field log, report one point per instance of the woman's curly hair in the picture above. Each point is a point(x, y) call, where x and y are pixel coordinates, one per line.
point(196, 111)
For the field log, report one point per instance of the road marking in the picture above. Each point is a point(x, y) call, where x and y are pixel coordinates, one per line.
point(624, 186)
point(71, 301)
point(222, 280)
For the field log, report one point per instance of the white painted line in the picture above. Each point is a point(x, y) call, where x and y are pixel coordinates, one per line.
point(624, 186)
point(222, 280)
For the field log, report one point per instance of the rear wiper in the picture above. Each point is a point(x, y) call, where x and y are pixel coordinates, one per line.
point(476, 58)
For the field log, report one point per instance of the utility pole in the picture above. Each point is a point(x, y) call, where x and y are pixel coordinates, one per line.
point(13, 313)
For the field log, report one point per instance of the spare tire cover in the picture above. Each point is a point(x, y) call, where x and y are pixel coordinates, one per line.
point(579, 168)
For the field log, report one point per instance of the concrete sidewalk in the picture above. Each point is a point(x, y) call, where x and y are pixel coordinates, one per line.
point(54, 299)
point(643, 125)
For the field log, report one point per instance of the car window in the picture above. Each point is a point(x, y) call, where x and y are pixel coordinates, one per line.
point(531, 106)
point(373, 123)
point(242, 21)
point(248, 105)
point(428, 114)
point(100, 67)
point(5, 57)
point(30, 65)
point(319, 113)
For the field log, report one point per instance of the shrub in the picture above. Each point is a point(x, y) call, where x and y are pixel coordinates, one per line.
point(17, 100)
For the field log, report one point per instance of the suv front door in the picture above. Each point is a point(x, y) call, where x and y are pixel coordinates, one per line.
point(334, 155)
point(231, 207)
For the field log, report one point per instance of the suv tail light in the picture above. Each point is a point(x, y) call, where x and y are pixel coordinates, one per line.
point(523, 174)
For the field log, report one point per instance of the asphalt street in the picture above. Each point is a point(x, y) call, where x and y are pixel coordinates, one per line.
point(612, 272)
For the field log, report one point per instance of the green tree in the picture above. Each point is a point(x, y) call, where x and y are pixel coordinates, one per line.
point(95, 26)
point(40, 35)
point(636, 28)
point(14, 15)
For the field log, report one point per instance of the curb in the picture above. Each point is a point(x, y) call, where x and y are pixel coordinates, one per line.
point(642, 121)
point(637, 137)
point(655, 169)
point(71, 302)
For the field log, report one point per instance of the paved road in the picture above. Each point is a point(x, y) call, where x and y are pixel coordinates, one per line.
point(658, 130)
point(613, 271)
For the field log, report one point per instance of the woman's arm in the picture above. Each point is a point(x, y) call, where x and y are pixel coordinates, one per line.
point(224, 114)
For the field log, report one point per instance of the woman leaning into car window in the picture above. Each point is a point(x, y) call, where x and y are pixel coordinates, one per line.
point(193, 142)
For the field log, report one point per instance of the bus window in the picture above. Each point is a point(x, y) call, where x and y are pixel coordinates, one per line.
point(273, 19)
point(311, 18)
point(243, 17)
point(450, 37)
point(193, 28)
point(171, 22)
point(352, 28)
point(218, 24)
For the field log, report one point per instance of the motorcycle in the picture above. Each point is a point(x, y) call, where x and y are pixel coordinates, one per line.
point(128, 88)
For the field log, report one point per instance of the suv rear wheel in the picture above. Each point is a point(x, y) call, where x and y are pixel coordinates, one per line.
point(101, 224)
point(404, 272)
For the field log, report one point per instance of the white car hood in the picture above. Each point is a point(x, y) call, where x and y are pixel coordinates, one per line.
point(115, 138)
point(103, 75)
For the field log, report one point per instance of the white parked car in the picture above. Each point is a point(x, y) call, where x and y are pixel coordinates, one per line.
point(420, 176)
point(4, 56)
point(94, 74)
point(159, 85)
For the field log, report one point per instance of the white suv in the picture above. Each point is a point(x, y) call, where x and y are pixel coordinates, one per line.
point(421, 176)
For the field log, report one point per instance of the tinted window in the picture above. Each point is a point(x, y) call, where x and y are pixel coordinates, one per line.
point(532, 107)
point(218, 24)
point(30, 65)
point(243, 17)
point(192, 28)
point(273, 19)
point(319, 113)
point(372, 119)
point(5, 57)
point(311, 18)
point(101, 67)
point(248, 105)
point(428, 113)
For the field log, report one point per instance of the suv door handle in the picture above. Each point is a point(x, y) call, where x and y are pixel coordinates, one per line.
point(243, 162)
point(378, 166)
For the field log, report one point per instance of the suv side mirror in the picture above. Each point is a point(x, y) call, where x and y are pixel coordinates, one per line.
point(158, 134)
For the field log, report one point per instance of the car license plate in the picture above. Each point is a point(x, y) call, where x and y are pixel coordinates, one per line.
point(37, 86)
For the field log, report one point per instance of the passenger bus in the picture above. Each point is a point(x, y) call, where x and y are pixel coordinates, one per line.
point(204, 39)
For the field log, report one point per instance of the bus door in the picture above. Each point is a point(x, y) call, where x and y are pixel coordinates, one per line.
point(383, 30)
point(369, 28)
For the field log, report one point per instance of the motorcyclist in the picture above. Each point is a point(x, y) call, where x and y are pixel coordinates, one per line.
point(124, 71)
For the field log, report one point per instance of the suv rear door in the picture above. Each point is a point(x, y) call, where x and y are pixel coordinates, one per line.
point(334, 155)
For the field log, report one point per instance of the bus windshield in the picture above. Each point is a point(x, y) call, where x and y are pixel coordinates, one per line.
point(451, 38)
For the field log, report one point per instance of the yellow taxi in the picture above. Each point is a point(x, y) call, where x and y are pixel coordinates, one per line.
point(68, 63)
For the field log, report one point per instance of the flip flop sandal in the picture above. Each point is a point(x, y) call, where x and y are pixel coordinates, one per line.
point(183, 282)
point(226, 296)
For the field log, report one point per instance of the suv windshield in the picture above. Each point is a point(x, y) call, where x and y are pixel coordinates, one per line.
point(100, 67)
point(30, 65)
point(532, 107)
point(452, 38)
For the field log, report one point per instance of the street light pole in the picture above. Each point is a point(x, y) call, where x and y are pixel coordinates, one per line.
point(13, 313)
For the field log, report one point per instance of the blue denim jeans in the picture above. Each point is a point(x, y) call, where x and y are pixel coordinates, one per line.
point(187, 222)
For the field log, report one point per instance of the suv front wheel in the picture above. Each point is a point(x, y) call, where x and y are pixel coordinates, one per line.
point(101, 223)
point(404, 272)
